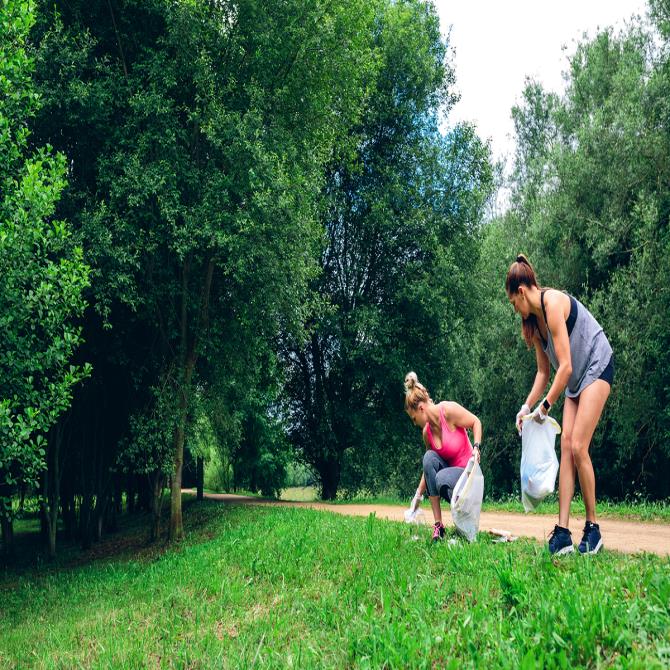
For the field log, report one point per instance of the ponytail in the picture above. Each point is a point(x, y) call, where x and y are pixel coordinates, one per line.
point(521, 273)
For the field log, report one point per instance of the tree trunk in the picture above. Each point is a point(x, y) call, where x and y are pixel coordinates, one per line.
point(69, 516)
point(130, 494)
point(85, 509)
point(157, 485)
point(188, 355)
point(329, 474)
point(51, 487)
point(7, 526)
point(176, 523)
point(200, 476)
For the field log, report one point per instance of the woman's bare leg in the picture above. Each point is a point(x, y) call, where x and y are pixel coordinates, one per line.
point(591, 403)
point(437, 510)
point(566, 476)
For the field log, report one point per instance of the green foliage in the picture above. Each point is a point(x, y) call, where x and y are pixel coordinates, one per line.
point(42, 269)
point(400, 211)
point(197, 134)
point(148, 447)
point(277, 588)
point(590, 209)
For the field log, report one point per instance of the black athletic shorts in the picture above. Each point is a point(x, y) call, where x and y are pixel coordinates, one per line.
point(608, 372)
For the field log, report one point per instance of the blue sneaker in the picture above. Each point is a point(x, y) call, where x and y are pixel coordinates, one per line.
point(592, 542)
point(560, 541)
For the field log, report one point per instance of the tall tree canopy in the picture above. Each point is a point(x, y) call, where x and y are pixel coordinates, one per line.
point(42, 276)
point(197, 135)
point(401, 212)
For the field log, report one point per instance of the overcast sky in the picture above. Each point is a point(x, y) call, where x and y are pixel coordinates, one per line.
point(498, 43)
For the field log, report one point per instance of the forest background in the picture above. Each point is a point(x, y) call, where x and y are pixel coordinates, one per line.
point(228, 230)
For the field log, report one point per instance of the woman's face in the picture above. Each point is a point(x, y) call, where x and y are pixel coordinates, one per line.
point(418, 415)
point(519, 301)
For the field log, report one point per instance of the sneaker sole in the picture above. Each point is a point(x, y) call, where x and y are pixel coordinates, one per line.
point(565, 550)
point(595, 550)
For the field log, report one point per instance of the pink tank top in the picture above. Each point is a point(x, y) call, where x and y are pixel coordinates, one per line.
point(456, 448)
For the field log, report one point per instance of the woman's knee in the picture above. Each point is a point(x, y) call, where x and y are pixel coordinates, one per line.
point(431, 461)
point(446, 481)
point(580, 451)
point(566, 443)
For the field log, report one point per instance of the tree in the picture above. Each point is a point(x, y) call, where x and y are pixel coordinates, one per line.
point(43, 277)
point(400, 210)
point(198, 134)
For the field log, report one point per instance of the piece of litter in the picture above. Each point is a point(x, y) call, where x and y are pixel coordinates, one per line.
point(503, 535)
point(415, 516)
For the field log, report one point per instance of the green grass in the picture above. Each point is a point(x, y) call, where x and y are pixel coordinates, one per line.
point(287, 587)
point(641, 510)
point(299, 493)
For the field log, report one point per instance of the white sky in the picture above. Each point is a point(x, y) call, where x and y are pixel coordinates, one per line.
point(498, 44)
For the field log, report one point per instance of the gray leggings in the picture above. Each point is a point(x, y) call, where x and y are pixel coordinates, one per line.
point(440, 478)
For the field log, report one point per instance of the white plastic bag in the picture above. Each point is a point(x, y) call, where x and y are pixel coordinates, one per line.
point(466, 500)
point(539, 464)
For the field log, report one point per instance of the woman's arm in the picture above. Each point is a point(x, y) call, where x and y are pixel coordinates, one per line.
point(559, 333)
point(422, 486)
point(460, 417)
point(422, 483)
point(542, 376)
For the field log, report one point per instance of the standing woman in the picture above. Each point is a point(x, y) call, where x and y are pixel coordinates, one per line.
point(448, 447)
point(567, 336)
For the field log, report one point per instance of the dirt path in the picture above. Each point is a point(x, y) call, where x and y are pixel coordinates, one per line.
point(626, 536)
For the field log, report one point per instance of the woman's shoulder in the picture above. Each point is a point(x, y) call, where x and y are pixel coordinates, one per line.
point(448, 407)
point(555, 299)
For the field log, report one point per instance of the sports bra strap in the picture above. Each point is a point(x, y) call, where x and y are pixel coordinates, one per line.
point(569, 322)
point(544, 311)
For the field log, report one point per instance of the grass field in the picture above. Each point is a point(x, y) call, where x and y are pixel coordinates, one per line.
point(282, 588)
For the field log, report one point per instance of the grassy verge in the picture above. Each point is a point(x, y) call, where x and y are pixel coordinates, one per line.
point(642, 510)
point(278, 588)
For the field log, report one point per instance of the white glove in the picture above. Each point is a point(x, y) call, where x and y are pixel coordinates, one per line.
point(540, 413)
point(416, 501)
point(525, 410)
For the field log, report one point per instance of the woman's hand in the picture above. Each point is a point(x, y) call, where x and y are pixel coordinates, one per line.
point(524, 411)
point(416, 501)
point(541, 412)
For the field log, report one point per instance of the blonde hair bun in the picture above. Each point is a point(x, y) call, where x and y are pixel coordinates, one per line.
point(414, 391)
point(411, 380)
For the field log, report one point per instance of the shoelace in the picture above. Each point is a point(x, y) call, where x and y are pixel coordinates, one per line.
point(554, 532)
point(437, 531)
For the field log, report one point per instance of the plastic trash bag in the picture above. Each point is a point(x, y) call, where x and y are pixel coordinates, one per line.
point(466, 500)
point(539, 464)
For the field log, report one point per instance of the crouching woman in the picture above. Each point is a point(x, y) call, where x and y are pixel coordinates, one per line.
point(444, 426)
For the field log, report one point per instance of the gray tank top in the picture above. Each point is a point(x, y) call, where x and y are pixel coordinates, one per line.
point(590, 350)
